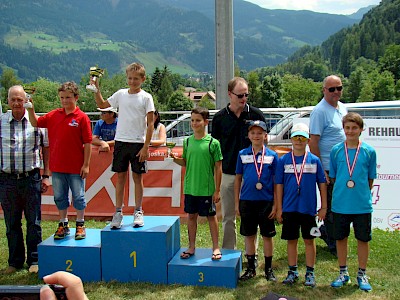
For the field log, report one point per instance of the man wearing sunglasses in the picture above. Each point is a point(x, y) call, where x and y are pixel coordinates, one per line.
point(326, 130)
point(230, 127)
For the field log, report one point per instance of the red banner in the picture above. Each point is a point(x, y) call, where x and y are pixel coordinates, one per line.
point(162, 195)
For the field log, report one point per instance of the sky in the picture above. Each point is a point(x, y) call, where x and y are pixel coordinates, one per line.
point(339, 7)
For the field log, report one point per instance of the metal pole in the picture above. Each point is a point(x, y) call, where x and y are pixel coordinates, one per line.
point(224, 49)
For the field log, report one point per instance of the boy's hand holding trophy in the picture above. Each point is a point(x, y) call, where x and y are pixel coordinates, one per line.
point(29, 90)
point(95, 72)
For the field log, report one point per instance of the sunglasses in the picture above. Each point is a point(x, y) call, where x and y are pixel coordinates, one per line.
point(299, 138)
point(106, 112)
point(240, 96)
point(332, 89)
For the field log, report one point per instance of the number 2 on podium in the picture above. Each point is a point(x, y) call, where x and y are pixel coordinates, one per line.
point(69, 265)
point(133, 254)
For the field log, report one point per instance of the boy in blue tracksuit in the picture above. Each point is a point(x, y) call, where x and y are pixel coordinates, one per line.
point(297, 175)
point(255, 198)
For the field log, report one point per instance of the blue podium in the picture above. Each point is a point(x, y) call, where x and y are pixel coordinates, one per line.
point(81, 257)
point(200, 270)
point(140, 254)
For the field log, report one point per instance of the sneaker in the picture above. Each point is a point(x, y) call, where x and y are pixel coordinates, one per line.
point(310, 280)
point(61, 231)
point(270, 276)
point(80, 232)
point(33, 269)
point(138, 219)
point(341, 280)
point(66, 228)
point(291, 277)
point(248, 274)
point(116, 222)
point(363, 283)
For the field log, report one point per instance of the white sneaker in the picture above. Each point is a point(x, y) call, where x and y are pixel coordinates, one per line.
point(116, 222)
point(138, 219)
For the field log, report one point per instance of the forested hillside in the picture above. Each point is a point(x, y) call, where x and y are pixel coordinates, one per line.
point(62, 39)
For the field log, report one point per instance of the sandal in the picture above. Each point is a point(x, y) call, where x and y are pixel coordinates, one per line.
point(216, 256)
point(186, 255)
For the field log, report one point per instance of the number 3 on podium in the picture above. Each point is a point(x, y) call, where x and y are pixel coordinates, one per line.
point(201, 276)
point(133, 254)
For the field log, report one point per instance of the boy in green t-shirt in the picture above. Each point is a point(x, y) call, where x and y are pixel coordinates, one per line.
point(202, 158)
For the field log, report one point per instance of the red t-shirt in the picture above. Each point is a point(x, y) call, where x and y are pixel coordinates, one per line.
point(67, 135)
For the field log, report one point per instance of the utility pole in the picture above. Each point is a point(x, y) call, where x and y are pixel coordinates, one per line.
point(224, 49)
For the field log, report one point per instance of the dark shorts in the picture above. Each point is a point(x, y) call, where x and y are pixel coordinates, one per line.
point(361, 224)
point(254, 214)
point(125, 153)
point(293, 222)
point(202, 205)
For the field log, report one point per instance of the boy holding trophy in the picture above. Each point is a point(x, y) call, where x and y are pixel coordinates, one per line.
point(133, 135)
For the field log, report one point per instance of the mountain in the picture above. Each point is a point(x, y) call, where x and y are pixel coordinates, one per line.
point(60, 40)
point(361, 12)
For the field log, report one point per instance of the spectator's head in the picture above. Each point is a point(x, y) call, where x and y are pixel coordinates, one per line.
point(238, 91)
point(108, 113)
point(135, 76)
point(353, 125)
point(332, 89)
point(16, 99)
point(69, 94)
point(157, 118)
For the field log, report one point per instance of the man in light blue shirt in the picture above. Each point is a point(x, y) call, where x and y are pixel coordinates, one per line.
point(326, 130)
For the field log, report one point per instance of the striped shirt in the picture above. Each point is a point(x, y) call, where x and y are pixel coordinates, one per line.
point(20, 144)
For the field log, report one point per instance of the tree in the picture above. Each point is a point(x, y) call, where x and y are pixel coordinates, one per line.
point(46, 95)
point(391, 60)
point(166, 90)
point(8, 79)
point(271, 91)
point(254, 91)
point(178, 101)
point(300, 92)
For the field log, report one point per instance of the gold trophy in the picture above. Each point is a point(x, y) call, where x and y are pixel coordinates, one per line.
point(170, 146)
point(95, 72)
point(29, 90)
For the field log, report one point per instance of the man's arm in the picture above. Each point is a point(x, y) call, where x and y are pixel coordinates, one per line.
point(87, 153)
point(103, 145)
point(313, 144)
point(46, 170)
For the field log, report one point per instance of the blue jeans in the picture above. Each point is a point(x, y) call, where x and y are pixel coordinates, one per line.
point(62, 183)
point(17, 196)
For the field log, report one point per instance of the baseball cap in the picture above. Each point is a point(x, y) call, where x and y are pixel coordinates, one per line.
point(110, 108)
point(258, 123)
point(300, 129)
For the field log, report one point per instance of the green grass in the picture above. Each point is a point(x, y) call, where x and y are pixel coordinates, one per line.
point(382, 268)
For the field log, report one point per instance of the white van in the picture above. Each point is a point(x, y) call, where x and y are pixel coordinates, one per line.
point(279, 135)
point(180, 128)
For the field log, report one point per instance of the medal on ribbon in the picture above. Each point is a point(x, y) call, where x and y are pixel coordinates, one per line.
point(259, 185)
point(299, 175)
point(351, 183)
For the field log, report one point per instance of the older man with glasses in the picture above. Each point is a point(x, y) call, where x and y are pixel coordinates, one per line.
point(326, 130)
point(230, 127)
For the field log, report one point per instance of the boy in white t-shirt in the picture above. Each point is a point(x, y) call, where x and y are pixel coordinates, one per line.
point(134, 130)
